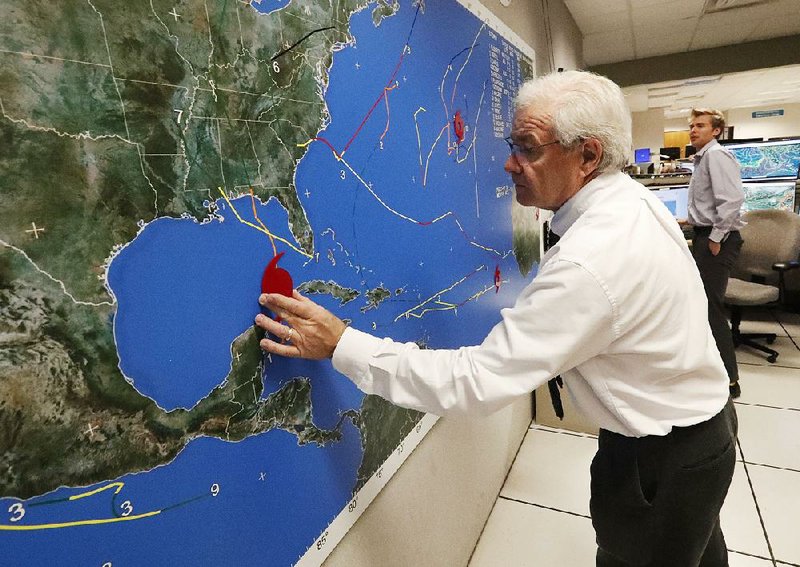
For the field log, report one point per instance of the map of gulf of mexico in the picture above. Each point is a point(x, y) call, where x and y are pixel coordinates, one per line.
point(156, 156)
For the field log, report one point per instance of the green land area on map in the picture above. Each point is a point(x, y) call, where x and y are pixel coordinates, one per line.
point(113, 114)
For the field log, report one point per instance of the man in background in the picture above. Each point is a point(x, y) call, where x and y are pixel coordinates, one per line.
point(617, 309)
point(715, 202)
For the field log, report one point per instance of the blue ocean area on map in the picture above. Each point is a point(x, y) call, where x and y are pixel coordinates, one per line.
point(269, 6)
point(436, 228)
point(302, 491)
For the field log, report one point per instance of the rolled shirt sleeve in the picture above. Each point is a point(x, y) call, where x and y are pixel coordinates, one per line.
point(726, 186)
point(563, 318)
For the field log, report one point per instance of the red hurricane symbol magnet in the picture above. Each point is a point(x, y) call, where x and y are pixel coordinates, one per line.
point(276, 280)
point(458, 126)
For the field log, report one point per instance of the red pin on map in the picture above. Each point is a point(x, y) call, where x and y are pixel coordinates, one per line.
point(497, 280)
point(276, 280)
point(458, 126)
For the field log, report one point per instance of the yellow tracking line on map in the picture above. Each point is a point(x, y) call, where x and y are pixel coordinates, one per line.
point(436, 298)
point(78, 523)
point(255, 215)
point(260, 229)
point(117, 485)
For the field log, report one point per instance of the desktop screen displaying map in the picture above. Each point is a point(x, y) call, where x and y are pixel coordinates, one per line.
point(156, 156)
point(675, 198)
point(765, 195)
point(767, 160)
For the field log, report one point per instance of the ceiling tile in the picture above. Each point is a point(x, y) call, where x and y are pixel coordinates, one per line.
point(597, 23)
point(736, 17)
point(709, 36)
point(608, 47)
point(776, 26)
point(698, 4)
point(652, 40)
point(666, 11)
point(595, 7)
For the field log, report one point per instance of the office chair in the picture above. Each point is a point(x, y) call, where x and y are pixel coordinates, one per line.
point(771, 246)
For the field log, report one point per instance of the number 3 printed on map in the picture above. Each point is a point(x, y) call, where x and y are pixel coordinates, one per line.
point(17, 511)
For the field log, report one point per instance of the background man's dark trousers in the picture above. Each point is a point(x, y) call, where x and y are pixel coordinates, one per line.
point(714, 271)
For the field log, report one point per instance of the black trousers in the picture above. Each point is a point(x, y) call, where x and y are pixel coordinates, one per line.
point(656, 500)
point(714, 271)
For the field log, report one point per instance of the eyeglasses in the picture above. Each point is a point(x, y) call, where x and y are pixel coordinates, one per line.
point(526, 152)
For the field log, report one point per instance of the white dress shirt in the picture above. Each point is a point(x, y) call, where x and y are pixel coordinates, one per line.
point(715, 191)
point(617, 308)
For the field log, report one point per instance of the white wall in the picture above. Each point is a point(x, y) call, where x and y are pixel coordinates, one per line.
point(433, 511)
point(648, 131)
point(529, 19)
point(675, 124)
point(745, 126)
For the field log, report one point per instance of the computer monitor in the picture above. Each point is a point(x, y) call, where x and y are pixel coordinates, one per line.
point(768, 195)
point(740, 141)
point(671, 152)
point(675, 198)
point(768, 160)
point(642, 155)
point(690, 150)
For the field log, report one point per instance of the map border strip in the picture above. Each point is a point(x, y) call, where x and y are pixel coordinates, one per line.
point(324, 545)
point(493, 21)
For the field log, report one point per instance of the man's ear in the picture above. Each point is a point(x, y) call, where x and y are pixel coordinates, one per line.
point(592, 154)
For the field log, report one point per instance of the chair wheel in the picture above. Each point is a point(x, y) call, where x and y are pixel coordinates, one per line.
point(770, 340)
point(772, 358)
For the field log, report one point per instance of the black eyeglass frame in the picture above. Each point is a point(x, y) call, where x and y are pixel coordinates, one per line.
point(518, 151)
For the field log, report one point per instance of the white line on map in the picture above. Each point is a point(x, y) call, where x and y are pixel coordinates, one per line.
point(111, 65)
point(29, 54)
point(53, 279)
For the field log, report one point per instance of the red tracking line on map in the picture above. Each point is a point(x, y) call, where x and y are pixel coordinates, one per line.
point(388, 86)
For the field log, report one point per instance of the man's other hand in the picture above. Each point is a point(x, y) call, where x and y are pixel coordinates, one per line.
point(311, 331)
point(714, 247)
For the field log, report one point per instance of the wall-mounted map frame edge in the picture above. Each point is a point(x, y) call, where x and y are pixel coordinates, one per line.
point(336, 531)
point(488, 17)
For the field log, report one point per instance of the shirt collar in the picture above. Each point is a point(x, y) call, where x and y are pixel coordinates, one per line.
point(578, 204)
point(705, 148)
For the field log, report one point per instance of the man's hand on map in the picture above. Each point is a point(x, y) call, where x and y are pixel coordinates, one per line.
point(311, 331)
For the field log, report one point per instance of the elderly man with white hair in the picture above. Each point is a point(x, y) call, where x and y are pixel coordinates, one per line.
point(617, 309)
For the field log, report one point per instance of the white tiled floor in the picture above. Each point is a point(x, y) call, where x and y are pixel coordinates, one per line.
point(541, 517)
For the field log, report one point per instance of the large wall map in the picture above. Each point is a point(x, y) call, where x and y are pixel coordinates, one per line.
point(155, 155)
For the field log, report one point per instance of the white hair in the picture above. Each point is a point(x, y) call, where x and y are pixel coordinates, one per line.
point(583, 105)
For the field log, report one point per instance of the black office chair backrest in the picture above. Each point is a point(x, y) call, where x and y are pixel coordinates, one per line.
point(770, 236)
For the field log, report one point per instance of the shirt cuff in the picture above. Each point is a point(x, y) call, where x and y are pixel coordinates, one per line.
point(717, 235)
point(352, 355)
